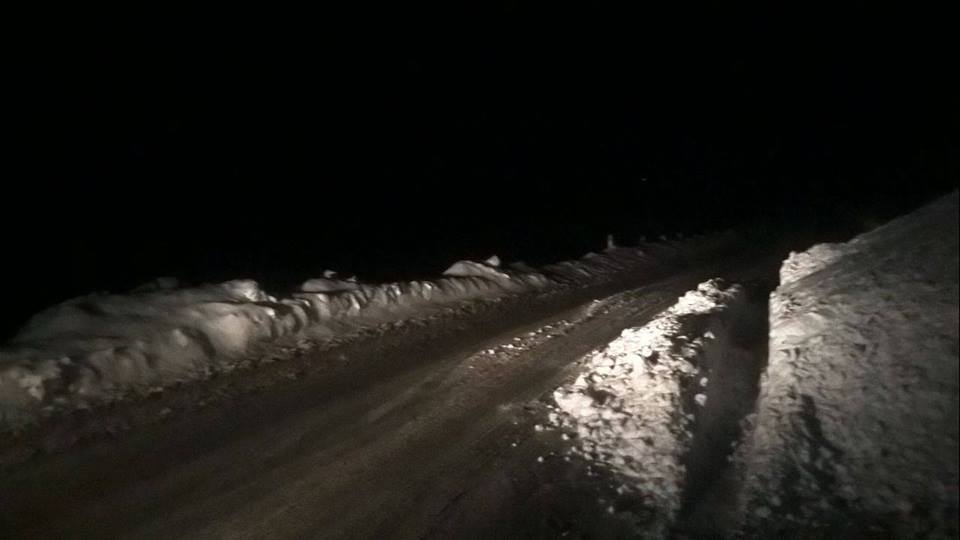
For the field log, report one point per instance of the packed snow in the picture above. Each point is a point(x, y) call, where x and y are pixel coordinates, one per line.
point(103, 347)
point(632, 409)
point(489, 268)
point(856, 431)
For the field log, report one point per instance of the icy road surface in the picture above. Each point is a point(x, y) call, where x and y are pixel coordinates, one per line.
point(397, 436)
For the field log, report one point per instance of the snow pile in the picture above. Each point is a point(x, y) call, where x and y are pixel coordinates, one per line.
point(857, 419)
point(330, 283)
point(615, 261)
point(99, 348)
point(94, 346)
point(633, 409)
point(488, 269)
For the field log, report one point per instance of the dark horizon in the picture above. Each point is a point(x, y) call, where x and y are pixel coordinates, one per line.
point(392, 161)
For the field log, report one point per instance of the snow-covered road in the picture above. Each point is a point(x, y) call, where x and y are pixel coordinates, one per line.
point(620, 395)
point(422, 431)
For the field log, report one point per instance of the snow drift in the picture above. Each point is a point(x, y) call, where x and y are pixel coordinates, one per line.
point(857, 422)
point(632, 410)
point(102, 347)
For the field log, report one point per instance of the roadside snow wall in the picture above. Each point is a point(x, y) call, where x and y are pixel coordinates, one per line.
point(632, 411)
point(857, 426)
point(102, 347)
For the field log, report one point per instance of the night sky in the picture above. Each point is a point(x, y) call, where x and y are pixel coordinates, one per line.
point(242, 155)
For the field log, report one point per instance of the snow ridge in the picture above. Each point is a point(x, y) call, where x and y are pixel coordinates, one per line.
point(102, 347)
point(632, 410)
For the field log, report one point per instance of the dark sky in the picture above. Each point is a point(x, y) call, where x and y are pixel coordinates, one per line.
point(278, 154)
